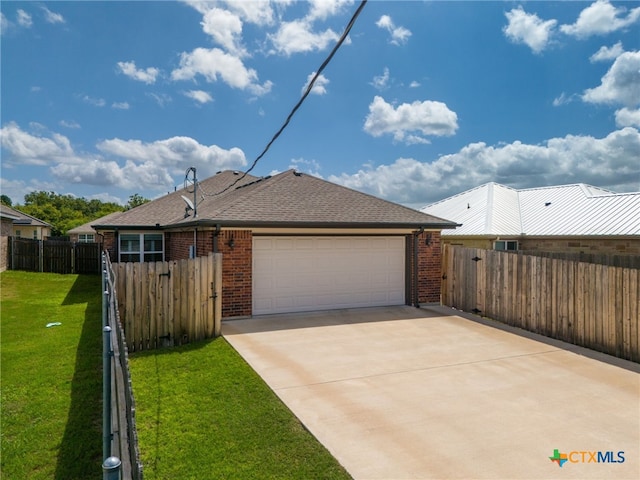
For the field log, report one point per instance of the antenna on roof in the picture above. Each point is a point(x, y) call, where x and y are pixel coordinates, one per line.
point(191, 186)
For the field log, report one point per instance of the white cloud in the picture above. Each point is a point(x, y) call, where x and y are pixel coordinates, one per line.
point(52, 17)
point(399, 35)
point(5, 24)
point(298, 36)
point(33, 149)
point(120, 105)
point(199, 96)
point(176, 154)
point(225, 28)
point(601, 18)
point(148, 75)
point(626, 117)
point(160, 98)
point(609, 162)
point(69, 124)
point(427, 118)
point(529, 29)
point(132, 163)
point(565, 99)
point(96, 102)
point(23, 18)
point(414, 84)
point(381, 82)
point(323, 9)
point(213, 63)
point(607, 53)
point(320, 85)
point(620, 85)
point(312, 167)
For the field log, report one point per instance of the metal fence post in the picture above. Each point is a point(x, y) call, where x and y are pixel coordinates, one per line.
point(106, 392)
point(111, 468)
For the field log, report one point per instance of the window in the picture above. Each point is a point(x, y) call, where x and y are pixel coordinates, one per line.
point(86, 237)
point(35, 234)
point(18, 234)
point(511, 245)
point(141, 247)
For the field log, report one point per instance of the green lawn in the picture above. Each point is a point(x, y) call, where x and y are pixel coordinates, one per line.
point(202, 412)
point(51, 377)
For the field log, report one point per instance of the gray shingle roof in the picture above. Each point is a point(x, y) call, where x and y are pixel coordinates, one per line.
point(21, 217)
point(286, 199)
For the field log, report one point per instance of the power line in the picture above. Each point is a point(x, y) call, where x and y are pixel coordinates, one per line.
point(302, 99)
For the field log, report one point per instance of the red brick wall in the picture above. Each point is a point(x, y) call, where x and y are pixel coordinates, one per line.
point(109, 244)
point(429, 268)
point(236, 272)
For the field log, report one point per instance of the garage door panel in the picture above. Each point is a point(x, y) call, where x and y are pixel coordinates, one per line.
point(314, 273)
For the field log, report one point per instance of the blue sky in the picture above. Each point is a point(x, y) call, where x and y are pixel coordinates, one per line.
point(424, 100)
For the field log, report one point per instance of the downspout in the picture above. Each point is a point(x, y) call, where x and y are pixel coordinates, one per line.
point(415, 266)
point(195, 242)
point(216, 234)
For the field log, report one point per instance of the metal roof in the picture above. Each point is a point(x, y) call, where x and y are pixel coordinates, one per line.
point(564, 210)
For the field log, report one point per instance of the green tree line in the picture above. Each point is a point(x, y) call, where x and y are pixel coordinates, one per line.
point(64, 212)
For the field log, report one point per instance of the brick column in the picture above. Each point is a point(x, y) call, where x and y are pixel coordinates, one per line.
point(429, 267)
point(237, 269)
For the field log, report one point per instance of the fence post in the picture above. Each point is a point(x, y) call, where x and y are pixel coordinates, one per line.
point(106, 392)
point(111, 468)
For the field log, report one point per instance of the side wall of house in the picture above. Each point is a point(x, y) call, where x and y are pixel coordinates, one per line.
point(237, 267)
point(606, 246)
point(429, 275)
point(429, 267)
point(5, 233)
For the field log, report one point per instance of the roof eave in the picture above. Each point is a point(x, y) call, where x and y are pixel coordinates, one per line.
point(290, 224)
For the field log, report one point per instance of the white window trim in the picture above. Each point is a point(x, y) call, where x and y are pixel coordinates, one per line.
point(506, 242)
point(86, 238)
point(141, 239)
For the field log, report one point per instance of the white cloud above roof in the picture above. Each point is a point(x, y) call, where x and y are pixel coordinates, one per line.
point(529, 29)
point(405, 122)
point(607, 53)
point(601, 18)
point(399, 35)
point(621, 84)
point(146, 75)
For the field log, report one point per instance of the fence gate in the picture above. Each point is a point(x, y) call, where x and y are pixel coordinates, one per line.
point(169, 303)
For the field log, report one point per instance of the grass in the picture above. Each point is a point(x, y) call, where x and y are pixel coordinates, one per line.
point(202, 412)
point(51, 377)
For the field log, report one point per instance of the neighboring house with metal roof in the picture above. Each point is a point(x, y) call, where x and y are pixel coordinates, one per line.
point(291, 242)
point(26, 226)
point(85, 233)
point(564, 218)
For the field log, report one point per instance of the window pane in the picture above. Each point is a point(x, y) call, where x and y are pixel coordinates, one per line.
point(153, 257)
point(153, 242)
point(130, 257)
point(499, 245)
point(129, 243)
point(512, 245)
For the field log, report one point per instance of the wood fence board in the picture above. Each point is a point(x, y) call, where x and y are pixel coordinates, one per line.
point(593, 305)
point(169, 303)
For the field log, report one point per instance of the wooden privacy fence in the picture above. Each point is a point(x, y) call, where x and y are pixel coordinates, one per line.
point(169, 303)
point(591, 305)
point(54, 256)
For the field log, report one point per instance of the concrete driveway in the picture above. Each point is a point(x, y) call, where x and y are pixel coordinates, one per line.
point(400, 392)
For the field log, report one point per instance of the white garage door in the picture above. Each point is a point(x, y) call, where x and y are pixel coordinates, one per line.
point(297, 274)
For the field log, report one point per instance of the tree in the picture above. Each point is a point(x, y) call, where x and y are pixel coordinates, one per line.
point(5, 200)
point(135, 200)
point(64, 212)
